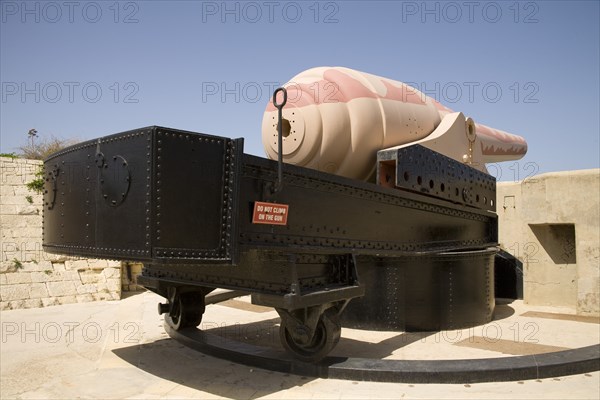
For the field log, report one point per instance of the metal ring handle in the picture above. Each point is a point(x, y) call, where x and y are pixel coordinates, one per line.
point(279, 105)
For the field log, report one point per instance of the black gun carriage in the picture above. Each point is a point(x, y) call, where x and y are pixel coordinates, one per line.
point(414, 250)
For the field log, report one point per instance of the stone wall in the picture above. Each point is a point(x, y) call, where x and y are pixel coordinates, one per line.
point(129, 274)
point(551, 223)
point(30, 277)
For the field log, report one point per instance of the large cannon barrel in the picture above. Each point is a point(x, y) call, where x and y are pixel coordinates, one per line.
point(201, 214)
point(336, 119)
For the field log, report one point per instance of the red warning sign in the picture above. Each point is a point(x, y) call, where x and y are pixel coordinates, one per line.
point(270, 213)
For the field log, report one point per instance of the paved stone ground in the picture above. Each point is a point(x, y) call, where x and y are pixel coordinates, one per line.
point(119, 350)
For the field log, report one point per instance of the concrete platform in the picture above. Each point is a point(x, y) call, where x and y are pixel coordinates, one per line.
point(120, 350)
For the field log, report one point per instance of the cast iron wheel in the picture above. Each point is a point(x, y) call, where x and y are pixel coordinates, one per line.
point(326, 337)
point(186, 310)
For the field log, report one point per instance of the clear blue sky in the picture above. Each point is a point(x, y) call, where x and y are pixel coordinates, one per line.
point(88, 69)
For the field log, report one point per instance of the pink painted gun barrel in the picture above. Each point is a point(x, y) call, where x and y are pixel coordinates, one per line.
point(336, 119)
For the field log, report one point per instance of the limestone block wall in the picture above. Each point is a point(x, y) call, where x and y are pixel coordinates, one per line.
point(129, 274)
point(551, 223)
point(30, 277)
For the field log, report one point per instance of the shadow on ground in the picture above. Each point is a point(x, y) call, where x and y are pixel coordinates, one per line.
point(128, 294)
point(171, 360)
point(167, 359)
point(502, 311)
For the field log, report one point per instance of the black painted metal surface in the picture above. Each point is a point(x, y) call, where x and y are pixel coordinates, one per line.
point(189, 191)
point(418, 169)
point(451, 290)
point(183, 203)
point(148, 194)
point(508, 276)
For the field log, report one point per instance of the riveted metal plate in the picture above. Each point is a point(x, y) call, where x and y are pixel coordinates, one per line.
point(421, 170)
point(115, 179)
point(149, 193)
point(343, 215)
point(97, 197)
point(195, 196)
